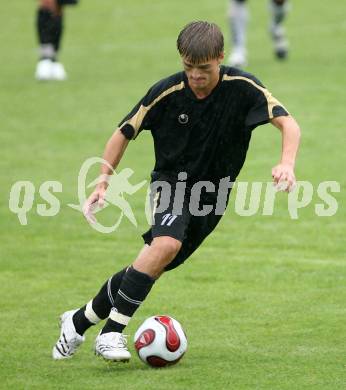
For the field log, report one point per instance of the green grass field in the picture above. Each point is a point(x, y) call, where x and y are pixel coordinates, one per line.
point(263, 300)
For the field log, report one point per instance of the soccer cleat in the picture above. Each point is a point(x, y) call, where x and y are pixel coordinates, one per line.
point(44, 70)
point(279, 40)
point(58, 72)
point(237, 58)
point(69, 339)
point(112, 346)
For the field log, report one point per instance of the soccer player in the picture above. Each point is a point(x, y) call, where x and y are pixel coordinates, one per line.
point(238, 18)
point(49, 25)
point(201, 120)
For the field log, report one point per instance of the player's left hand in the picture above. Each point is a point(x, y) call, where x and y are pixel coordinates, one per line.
point(283, 177)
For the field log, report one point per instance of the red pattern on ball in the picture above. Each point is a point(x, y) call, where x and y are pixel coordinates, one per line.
point(172, 337)
point(145, 339)
point(156, 361)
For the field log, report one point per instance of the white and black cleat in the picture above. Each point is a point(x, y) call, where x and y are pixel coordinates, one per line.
point(112, 347)
point(69, 339)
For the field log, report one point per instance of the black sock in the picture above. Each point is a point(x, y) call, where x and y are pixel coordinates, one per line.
point(57, 31)
point(101, 304)
point(44, 25)
point(49, 29)
point(80, 322)
point(104, 300)
point(134, 288)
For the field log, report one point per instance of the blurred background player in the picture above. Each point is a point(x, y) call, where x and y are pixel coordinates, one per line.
point(238, 17)
point(49, 25)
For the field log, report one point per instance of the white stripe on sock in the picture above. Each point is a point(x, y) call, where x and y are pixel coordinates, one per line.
point(124, 296)
point(90, 314)
point(118, 317)
point(109, 291)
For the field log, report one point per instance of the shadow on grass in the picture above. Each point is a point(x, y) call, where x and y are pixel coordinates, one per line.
point(101, 367)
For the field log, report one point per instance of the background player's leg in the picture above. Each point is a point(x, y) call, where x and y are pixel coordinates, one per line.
point(49, 28)
point(238, 19)
point(279, 9)
point(134, 288)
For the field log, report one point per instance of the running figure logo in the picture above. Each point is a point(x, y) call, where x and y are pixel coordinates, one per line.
point(119, 185)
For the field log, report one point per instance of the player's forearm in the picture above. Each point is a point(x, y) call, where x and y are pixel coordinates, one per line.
point(113, 153)
point(290, 141)
point(290, 138)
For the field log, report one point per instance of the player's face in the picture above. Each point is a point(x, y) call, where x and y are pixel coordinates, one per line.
point(202, 75)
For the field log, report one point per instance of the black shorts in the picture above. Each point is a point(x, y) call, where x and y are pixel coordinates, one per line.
point(67, 2)
point(190, 229)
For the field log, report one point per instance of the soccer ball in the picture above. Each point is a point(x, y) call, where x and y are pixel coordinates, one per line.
point(160, 341)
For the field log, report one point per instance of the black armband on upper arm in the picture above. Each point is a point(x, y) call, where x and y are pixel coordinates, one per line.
point(128, 131)
point(279, 111)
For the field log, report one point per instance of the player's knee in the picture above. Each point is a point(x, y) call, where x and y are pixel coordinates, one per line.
point(47, 4)
point(50, 5)
point(168, 246)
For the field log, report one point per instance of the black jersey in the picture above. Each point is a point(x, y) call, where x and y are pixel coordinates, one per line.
point(207, 138)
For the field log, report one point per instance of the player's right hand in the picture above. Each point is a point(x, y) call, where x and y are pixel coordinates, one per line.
point(95, 200)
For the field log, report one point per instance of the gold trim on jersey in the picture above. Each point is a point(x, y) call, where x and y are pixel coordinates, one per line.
point(138, 117)
point(271, 100)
